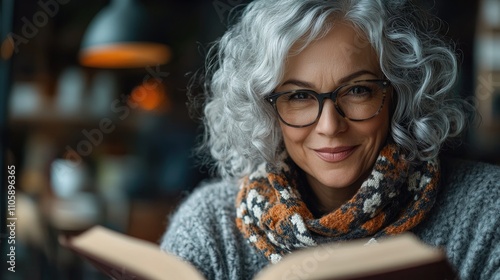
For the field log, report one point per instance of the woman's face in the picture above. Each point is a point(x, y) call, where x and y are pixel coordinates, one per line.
point(335, 152)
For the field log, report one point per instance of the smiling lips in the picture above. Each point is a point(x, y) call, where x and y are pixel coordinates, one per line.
point(335, 154)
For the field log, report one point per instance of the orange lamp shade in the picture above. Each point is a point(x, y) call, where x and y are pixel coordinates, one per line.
point(125, 55)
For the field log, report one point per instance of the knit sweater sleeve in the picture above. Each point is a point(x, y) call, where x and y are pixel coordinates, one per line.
point(202, 231)
point(466, 219)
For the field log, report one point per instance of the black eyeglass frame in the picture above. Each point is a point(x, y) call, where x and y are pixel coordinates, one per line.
point(332, 95)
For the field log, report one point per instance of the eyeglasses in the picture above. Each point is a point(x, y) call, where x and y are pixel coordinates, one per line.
point(355, 101)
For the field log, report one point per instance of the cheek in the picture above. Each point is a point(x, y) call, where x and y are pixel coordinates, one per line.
point(385, 122)
point(294, 138)
point(376, 131)
point(377, 128)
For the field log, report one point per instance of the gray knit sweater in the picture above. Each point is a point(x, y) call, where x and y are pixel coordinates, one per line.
point(465, 221)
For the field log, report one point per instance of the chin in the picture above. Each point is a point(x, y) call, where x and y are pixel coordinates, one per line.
point(337, 179)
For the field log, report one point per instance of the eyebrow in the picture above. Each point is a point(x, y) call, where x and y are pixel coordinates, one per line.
point(345, 79)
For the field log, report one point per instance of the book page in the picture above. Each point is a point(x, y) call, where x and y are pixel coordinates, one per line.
point(355, 260)
point(119, 254)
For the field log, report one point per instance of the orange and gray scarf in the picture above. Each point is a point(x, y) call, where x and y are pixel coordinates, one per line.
point(394, 198)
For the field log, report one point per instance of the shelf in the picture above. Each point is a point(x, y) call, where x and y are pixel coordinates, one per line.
point(54, 119)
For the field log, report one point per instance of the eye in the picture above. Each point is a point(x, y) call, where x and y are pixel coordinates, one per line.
point(359, 90)
point(299, 95)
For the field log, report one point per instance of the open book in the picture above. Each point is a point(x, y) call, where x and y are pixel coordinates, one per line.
point(400, 257)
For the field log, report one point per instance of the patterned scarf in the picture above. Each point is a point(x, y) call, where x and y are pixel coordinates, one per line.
point(395, 197)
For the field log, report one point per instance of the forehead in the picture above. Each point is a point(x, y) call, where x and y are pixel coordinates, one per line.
point(342, 51)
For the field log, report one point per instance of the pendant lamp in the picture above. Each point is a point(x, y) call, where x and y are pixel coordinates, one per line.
point(122, 35)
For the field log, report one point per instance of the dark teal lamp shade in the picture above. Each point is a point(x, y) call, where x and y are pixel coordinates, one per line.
point(122, 35)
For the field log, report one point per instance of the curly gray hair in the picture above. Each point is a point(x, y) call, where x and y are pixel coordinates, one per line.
point(247, 63)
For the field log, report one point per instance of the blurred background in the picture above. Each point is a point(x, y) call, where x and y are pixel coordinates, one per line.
point(93, 113)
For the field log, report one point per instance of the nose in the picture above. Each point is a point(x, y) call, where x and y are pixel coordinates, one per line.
point(330, 122)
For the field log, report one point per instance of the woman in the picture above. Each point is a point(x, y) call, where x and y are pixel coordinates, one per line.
point(325, 120)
